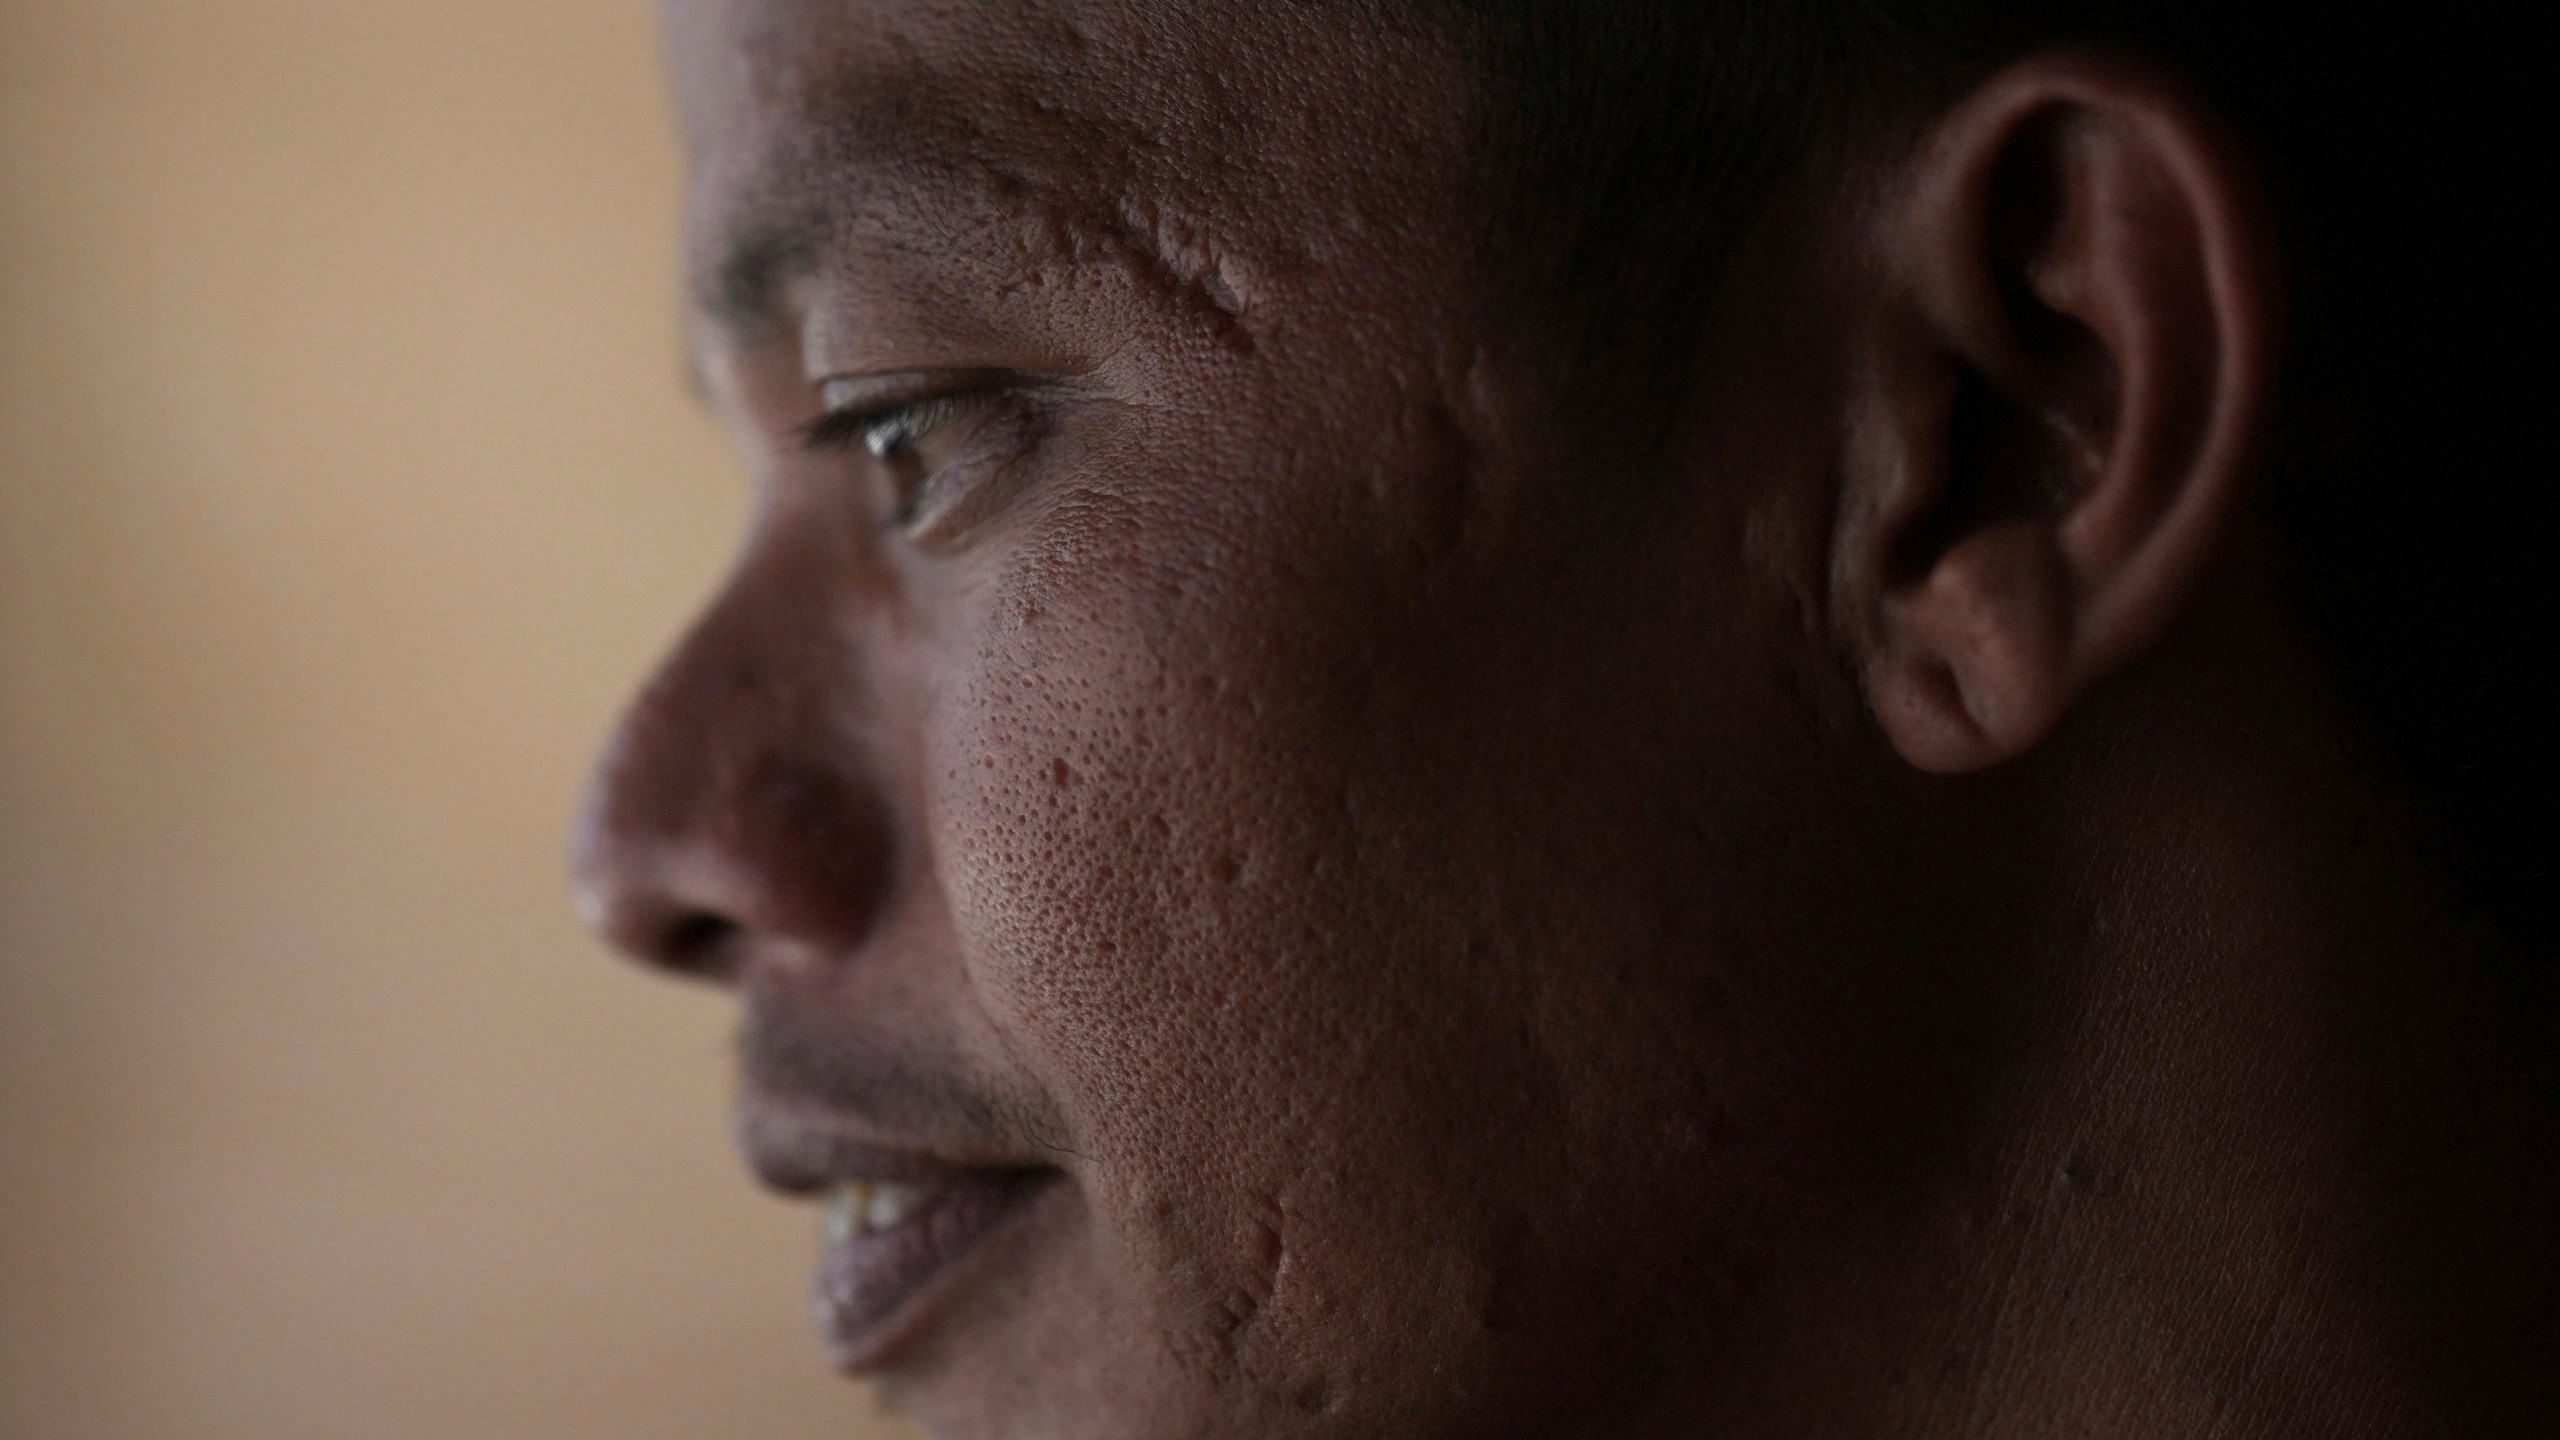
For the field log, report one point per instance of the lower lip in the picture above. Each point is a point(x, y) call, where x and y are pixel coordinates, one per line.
point(873, 1289)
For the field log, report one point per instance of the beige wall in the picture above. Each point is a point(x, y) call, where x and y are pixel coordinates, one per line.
point(345, 484)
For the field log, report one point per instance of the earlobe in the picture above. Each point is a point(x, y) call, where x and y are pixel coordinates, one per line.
point(1981, 660)
point(2062, 394)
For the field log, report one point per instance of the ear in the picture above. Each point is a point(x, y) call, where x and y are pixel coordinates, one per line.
point(2067, 378)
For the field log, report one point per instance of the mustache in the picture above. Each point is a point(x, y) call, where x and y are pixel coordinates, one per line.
point(909, 1092)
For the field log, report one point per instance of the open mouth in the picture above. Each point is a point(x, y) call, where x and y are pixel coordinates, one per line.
point(899, 1227)
point(888, 1248)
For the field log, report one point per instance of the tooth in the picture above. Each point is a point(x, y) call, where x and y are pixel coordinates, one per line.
point(845, 1211)
point(890, 1204)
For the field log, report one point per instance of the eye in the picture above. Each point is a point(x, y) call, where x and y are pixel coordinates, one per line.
point(913, 441)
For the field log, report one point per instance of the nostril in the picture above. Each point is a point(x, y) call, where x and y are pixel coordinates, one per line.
point(699, 943)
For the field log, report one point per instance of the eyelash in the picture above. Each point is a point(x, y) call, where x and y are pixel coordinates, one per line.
point(842, 430)
point(881, 431)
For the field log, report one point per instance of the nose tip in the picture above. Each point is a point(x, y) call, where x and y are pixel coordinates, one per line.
point(638, 906)
point(700, 851)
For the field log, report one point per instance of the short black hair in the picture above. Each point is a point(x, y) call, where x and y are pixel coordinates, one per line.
point(1625, 144)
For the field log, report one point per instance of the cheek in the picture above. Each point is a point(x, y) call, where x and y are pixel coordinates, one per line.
point(1108, 842)
point(1156, 853)
point(1134, 813)
point(1278, 874)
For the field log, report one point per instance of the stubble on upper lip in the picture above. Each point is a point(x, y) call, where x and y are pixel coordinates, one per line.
point(854, 1076)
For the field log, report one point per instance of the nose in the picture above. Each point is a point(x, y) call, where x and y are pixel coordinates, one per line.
point(737, 813)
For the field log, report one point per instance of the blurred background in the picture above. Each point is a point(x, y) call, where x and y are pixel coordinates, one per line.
point(346, 486)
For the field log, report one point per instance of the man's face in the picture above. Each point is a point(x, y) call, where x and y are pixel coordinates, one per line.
point(1283, 855)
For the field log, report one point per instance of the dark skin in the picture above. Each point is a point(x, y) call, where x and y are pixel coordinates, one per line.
point(1864, 919)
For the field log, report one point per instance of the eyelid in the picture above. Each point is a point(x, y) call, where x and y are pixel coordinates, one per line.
point(882, 430)
point(855, 392)
point(851, 406)
point(878, 394)
point(995, 416)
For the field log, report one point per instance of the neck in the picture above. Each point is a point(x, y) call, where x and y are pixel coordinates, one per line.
point(2279, 1172)
point(2263, 1160)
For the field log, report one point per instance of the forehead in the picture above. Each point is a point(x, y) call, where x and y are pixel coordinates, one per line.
point(816, 127)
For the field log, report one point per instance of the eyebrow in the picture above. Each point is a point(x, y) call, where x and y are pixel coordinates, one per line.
point(931, 177)
point(813, 184)
point(743, 292)
point(769, 245)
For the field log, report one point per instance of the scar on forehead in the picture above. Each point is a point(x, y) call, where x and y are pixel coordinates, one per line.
point(1166, 253)
point(1055, 190)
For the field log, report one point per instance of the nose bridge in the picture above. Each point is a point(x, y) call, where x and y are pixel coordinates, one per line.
point(738, 804)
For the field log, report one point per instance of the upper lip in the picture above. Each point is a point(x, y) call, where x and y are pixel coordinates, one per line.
point(803, 1152)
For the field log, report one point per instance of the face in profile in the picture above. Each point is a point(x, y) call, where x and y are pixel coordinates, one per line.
point(1278, 883)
